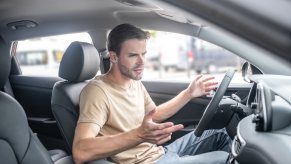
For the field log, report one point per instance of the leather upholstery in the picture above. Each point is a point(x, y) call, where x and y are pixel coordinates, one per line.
point(4, 63)
point(79, 63)
point(55, 154)
point(17, 142)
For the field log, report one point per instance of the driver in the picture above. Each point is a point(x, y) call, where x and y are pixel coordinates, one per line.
point(118, 118)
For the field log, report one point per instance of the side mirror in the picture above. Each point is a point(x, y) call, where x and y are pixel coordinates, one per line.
point(249, 69)
point(246, 71)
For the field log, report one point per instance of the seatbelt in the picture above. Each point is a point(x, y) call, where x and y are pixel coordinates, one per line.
point(104, 61)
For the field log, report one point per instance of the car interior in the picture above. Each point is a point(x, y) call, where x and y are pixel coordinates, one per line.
point(38, 114)
point(65, 94)
point(18, 143)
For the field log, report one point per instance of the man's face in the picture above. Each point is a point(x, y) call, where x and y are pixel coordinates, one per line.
point(131, 58)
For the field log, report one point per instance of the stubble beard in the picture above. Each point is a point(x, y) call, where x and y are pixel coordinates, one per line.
point(129, 72)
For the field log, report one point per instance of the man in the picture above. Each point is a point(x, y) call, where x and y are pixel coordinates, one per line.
point(118, 119)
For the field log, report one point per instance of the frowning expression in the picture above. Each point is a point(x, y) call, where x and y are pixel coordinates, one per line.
point(131, 58)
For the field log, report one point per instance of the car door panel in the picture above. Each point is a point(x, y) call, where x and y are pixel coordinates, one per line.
point(191, 113)
point(34, 94)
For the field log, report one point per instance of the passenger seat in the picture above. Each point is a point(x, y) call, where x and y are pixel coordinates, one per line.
point(55, 154)
point(18, 144)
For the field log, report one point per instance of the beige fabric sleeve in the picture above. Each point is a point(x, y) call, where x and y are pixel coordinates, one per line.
point(93, 105)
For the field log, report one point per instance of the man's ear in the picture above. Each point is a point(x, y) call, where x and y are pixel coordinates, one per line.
point(113, 57)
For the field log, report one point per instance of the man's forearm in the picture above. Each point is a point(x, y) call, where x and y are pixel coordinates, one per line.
point(169, 108)
point(100, 147)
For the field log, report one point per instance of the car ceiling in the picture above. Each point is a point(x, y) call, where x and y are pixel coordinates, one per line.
point(67, 16)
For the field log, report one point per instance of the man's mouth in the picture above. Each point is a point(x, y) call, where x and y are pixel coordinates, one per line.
point(138, 70)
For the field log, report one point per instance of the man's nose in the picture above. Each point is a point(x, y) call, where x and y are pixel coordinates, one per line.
point(140, 59)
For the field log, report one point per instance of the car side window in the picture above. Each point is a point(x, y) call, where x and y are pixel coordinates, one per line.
point(176, 57)
point(42, 56)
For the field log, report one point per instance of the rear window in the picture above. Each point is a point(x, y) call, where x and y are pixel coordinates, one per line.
point(42, 56)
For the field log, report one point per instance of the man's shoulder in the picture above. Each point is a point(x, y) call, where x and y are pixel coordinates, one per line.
point(97, 81)
point(95, 84)
point(95, 87)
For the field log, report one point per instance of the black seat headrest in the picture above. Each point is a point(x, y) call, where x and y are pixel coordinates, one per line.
point(80, 62)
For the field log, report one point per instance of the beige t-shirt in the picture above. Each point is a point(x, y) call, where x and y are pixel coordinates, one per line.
point(116, 110)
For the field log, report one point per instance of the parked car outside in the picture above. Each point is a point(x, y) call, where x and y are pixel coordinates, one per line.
point(42, 56)
point(39, 56)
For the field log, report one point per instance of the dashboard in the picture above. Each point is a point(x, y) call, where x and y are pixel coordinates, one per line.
point(265, 135)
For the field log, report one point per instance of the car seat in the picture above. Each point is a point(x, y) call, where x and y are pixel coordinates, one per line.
point(18, 144)
point(80, 63)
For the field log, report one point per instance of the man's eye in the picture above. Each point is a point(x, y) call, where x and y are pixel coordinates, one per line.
point(132, 55)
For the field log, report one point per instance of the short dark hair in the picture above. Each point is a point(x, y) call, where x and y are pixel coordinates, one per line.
point(123, 32)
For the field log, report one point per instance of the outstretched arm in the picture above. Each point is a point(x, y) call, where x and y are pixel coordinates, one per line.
point(88, 147)
point(198, 87)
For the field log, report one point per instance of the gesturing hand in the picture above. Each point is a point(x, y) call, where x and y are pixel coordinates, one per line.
point(201, 86)
point(156, 133)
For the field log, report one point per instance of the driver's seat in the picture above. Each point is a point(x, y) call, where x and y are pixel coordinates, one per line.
point(80, 63)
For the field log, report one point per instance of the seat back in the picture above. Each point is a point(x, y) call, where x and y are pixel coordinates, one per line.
point(17, 142)
point(79, 63)
point(55, 154)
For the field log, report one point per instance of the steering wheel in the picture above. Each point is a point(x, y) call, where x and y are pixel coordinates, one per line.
point(211, 108)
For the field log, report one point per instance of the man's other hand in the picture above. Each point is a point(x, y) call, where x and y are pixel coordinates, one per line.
point(156, 133)
point(201, 86)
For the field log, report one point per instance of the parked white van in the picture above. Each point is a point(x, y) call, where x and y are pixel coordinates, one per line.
point(43, 55)
point(36, 57)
